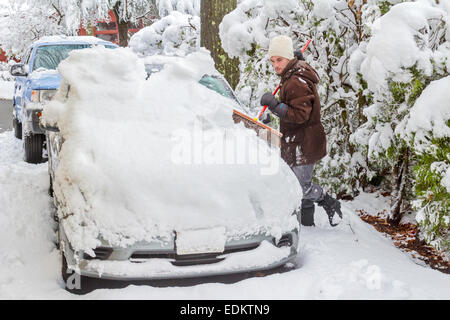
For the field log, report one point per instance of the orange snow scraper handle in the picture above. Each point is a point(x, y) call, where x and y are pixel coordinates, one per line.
point(278, 87)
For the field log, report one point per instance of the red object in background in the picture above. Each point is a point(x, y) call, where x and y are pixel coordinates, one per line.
point(104, 30)
point(109, 31)
point(3, 57)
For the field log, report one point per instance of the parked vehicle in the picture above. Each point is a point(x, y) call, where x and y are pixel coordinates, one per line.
point(181, 253)
point(36, 82)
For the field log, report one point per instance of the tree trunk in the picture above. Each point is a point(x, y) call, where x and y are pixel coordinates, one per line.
point(211, 15)
point(123, 33)
point(154, 9)
point(399, 180)
point(122, 26)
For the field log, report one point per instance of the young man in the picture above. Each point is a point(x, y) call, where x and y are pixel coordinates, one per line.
point(304, 141)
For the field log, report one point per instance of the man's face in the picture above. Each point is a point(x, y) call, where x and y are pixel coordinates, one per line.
point(279, 63)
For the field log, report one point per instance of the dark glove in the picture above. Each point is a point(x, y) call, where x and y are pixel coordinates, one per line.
point(278, 108)
point(265, 118)
point(269, 100)
point(299, 55)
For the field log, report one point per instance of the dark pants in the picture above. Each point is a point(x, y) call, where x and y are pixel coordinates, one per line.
point(311, 192)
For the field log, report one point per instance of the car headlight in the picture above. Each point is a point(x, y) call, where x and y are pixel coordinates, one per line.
point(42, 95)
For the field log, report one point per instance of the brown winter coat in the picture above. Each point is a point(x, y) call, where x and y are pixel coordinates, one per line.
point(304, 140)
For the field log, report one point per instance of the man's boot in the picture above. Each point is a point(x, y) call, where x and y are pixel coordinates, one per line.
point(331, 207)
point(307, 212)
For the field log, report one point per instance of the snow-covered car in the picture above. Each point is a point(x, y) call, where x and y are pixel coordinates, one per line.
point(36, 81)
point(143, 177)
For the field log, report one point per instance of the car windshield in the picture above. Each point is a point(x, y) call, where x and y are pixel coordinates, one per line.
point(214, 83)
point(152, 68)
point(48, 57)
point(218, 85)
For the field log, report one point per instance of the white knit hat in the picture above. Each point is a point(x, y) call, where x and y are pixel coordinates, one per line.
point(281, 46)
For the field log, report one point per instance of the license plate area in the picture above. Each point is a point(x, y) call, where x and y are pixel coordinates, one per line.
point(200, 241)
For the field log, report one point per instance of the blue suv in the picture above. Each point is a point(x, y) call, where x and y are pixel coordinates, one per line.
point(37, 80)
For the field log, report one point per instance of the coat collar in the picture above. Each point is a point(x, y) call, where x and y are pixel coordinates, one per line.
point(289, 69)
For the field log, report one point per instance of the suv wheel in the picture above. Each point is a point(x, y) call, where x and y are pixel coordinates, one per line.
point(33, 145)
point(17, 126)
point(50, 187)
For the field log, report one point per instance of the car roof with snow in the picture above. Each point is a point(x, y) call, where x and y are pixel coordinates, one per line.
point(72, 39)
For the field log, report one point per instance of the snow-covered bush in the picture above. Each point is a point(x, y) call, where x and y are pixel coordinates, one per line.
point(5, 75)
point(23, 25)
point(166, 7)
point(408, 49)
point(427, 130)
point(175, 34)
point(432, 174)
point(404, 68)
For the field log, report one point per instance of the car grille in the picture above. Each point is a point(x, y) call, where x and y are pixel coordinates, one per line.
point(101, 253)
point(191, 259)
point(285, 241)
point(144, 255)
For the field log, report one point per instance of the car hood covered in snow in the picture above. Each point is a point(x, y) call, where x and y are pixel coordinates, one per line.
point(144, 158)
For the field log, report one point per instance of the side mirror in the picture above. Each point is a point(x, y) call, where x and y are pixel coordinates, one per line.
point(19, 70)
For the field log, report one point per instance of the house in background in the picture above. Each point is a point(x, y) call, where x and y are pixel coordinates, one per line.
point(3, 57)
point(102, 29)
point(109, 30)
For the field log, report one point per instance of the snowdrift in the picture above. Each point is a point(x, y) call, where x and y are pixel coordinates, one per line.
point(142, 158)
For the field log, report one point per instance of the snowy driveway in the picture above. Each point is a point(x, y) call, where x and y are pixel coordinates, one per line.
point(5, 115)
point(333, 263)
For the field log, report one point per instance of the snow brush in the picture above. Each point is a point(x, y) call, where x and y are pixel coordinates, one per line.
point(278, 87)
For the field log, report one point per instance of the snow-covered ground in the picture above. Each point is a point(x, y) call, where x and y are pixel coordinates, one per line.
point(334, 263)
point(6, 89)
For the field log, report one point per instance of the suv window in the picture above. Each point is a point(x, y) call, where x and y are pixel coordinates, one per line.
point(50, 56)
point(26, 56)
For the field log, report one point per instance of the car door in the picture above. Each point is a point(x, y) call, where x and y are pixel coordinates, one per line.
point(20, 90)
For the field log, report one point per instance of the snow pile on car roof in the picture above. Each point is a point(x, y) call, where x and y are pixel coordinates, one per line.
point(142, 158)
point(63, 38)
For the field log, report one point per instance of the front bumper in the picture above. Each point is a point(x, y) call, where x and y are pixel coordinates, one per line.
point(31, 119)
point(148, 262)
